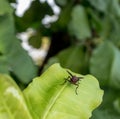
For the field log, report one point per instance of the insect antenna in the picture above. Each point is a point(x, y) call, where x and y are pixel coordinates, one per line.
point(69, 73)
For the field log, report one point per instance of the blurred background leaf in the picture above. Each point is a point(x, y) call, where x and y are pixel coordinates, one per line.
point(12, 54)
point(79, 25)
point(108, 62)
point(73, 58)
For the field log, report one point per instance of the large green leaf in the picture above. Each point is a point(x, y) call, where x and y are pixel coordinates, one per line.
point(48, 98)
point(12, 102)
point(12, 56)
point(79, 25)
point(106, 57)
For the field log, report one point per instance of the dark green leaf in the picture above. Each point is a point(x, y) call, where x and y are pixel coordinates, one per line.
point(106, 57)
point(101, 5)
point(102, 58)
point(79, 25)
point(95, 20)
point(61, 2)
point(107, 110)
point(117, 104)
point(73, 58)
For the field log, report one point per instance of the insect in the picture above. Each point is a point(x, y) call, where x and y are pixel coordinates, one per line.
point(73, 80)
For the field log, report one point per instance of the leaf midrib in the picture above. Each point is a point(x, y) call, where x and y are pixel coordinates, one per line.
point(49, 107)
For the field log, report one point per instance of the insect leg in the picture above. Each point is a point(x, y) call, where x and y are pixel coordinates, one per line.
point(66, 79)
point(77, 85)
point(80, 78)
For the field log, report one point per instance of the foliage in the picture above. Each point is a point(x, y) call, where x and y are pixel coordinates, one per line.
point(13, 59)
point(85, 38)
point(61, 101)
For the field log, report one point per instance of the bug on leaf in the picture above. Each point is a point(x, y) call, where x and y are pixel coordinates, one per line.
point(73, 80)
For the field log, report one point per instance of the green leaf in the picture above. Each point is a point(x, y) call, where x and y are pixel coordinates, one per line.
point(101, 5)
point(106, 19)
point(13, 58)
point(117, 104)
point(116, 7)
point(106, 6)
point(4, 9)
point(79, 25)
point(115, 35)
point(115, 75)
point(12, 102)
point(105, 114)
point(102, 58)
point(73, 58)
point(61, 2)
point(106, 56)
point(95, 20)
point(109, 107)
point(48, 98)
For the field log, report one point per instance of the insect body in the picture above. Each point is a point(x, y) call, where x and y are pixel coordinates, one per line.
point(73, 80)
